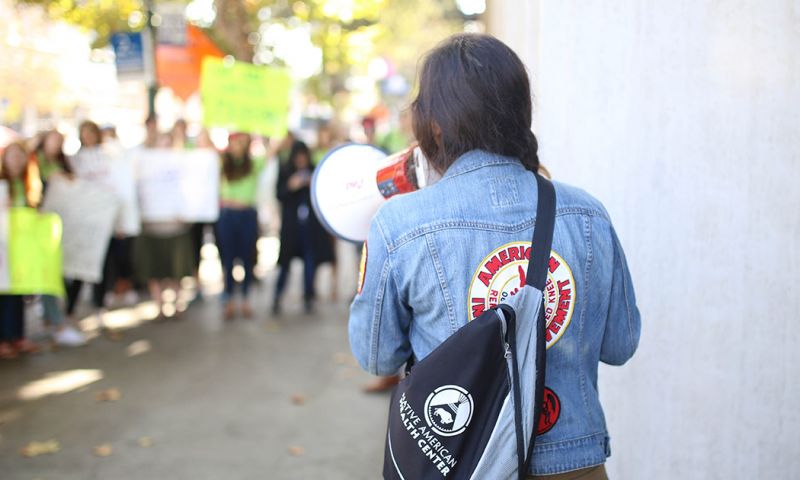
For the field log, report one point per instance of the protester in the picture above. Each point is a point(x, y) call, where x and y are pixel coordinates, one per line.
point(180, 137)
point(91, 138)
point(163, 250)
point(430, 261)
point(109, 134)
point(49, 156)
point(368, 124)
point(301, 234)
point(49, 159)
point(110, 141)
point(237, 227)
point(120, 275)
point(151, 131)
point(14, 171)
point(181, 141)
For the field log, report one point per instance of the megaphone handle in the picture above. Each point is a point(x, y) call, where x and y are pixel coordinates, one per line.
point(399, 176)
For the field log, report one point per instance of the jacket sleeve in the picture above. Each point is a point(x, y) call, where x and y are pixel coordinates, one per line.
point(623, 324)
point(379, 319)
point(282, 187)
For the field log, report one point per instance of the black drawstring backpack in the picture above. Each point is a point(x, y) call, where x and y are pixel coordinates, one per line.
point(464, 411)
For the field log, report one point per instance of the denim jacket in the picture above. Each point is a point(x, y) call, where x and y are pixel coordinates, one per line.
point(438, 257)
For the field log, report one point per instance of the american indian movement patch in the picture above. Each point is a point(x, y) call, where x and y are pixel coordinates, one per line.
point(501, 274)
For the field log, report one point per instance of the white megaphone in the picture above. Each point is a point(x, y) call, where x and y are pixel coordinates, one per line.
point(353, 180)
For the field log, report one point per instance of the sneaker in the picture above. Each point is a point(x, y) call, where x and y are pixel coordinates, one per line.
point(23, 345)
point(229, 311)
point(98, 316)
point(130, 298)
point(69, 337)
point(7, 352)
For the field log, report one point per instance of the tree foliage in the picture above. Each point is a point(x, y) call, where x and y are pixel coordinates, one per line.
point(349, 33)
point(103, 17)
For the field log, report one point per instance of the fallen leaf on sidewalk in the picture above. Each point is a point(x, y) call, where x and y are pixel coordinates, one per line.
point(9, 416)
point(145, 442)
point(296, 451)
point(138, 347)
point(103, 450)
point(34, 449)
point(298, 399)
point(109, 395)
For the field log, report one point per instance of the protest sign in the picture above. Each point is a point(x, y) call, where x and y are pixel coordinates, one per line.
point(34, 252)
point(5, 271)
point(30, 252)
point(244, 97)
point(87, 212)
point(115, 170)
point(178, 185)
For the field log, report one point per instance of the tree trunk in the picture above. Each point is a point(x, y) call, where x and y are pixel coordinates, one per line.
point(233, 26)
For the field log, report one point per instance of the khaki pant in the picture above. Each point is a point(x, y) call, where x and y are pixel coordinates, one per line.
point(592, 473)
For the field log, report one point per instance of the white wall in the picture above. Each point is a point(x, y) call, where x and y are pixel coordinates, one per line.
point(683, 118)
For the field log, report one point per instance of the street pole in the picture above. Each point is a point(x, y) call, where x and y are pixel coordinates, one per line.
point(152, 78)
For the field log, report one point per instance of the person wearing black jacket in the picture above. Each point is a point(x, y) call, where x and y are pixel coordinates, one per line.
point(302, 235)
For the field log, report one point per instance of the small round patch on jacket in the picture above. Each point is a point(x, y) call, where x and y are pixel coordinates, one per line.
point(362, 268)
point(551, 410)
point(501, 275)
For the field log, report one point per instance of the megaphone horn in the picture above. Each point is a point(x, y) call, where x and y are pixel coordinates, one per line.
point(353, 180)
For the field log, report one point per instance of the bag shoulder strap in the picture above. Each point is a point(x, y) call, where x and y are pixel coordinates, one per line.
point(537, 277)
point(542, 234)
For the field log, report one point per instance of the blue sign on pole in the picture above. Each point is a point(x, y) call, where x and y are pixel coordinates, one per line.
point(129, 52)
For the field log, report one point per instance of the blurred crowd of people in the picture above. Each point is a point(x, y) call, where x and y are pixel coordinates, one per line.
point(153, 263)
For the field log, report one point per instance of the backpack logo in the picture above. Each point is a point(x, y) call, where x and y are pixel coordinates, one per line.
point(501, 275)
point(448, 410)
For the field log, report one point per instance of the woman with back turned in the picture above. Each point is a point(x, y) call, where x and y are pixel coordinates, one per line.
point(439, 257)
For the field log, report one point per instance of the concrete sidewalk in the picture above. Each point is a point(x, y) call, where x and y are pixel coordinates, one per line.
point(217, 400)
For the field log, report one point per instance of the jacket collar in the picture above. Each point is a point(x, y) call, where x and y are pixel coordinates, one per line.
point(476, 159)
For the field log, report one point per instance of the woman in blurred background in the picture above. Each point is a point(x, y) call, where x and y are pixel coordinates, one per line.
point(237, 227)
point(302, 235)
point(49, 159)
point(49, 156)
point(163, 249)
point(14, 171)
point(91, 137)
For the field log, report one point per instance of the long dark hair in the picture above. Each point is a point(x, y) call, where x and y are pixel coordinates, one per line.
point(235, 168)
point(298, 148)
point(474, 94)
